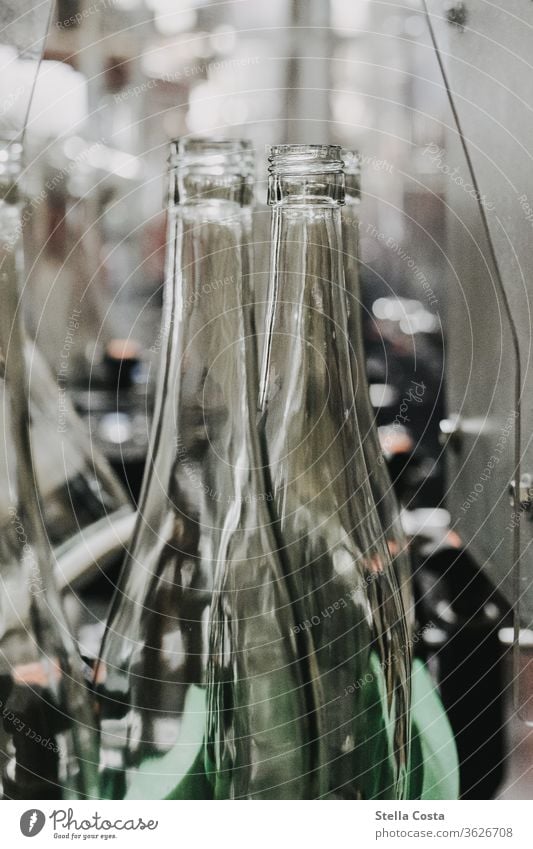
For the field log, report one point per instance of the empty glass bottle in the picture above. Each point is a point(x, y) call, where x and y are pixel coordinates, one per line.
point(339, 561)
point(76, 484)
point(46, 717)
point(77, 487)
point(201, 689)
point(378, 474)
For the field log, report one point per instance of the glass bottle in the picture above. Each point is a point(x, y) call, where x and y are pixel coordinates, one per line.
point(80, 492)
point(200, 683)
point(46, 715)
point(378, 475)
point(328, 521)
point(77, 487)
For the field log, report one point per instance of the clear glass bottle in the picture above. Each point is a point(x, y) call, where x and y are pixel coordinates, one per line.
point(339, 561)
point(201, 688)
point(46, 716)
point(380, 482)
point(78, 489)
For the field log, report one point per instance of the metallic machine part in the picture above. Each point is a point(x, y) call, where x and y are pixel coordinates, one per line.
point(489, 230)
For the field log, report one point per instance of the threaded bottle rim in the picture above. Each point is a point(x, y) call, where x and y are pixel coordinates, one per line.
point(209, 151)
point(304, 159)
point(306, 174)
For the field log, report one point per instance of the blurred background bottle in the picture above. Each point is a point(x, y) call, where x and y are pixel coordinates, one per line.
point(46, 714)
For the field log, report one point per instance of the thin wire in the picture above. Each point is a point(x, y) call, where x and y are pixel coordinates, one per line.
point(518, 370)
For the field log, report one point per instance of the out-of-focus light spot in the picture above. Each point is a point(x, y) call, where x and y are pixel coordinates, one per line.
point(414, 26)
point(60, 102)
point(369, 250)
point(399, 309)
point(128, 5)
point(348, 105)
point(382, 395)
point(419, 322)
point(171, 17)
point(506, 636)
point(224, 40)
point(446, 612)
point(393, 25)
point(176, 60)
point(73, 146)
point(203, 112)
point(115, 428)
point(454, 540)
point(115, 161)
point(394, 440)
point(434, 636)
point(347, 17)
point(237, 111)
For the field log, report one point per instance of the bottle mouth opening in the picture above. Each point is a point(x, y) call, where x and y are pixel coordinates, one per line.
point(303, 159)
point(208, 152)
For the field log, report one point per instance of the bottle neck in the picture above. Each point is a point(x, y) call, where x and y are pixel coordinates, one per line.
point(306, 315)
point(306, 393)
point(306, 399)
point(209, 263)
point(202, 455)
point(306, 288)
